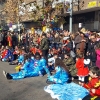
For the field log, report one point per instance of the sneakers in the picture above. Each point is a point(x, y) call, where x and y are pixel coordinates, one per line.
point(7, 75)
point(4, 73)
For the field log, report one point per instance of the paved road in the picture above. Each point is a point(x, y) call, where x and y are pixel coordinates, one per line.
point(25, 89)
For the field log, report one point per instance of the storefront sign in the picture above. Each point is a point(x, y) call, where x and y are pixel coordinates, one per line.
point(92, 4)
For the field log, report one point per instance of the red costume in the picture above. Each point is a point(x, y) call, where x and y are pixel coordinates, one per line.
point(16, 52)
point(81, 69)
point(94, 83)
point(4, 53)
point(34, 50)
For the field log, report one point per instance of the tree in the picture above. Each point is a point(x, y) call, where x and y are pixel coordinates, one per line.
point(11, 9)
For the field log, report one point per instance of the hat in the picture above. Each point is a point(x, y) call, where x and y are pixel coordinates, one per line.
point(86, 61)
point(83, 30)
point(65, 38)
point(98, 34)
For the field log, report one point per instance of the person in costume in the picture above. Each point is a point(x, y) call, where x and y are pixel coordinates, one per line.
point(93, 85)
point(3, 53)
point(82, 70)
point(16, 52)
point(7, 55)
point(10, 56)
point(61, 73)
point(34, 49)
point(51, 62)
point(31, 68)
point(20, 59)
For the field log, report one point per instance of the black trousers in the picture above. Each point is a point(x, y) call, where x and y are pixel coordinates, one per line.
point(88, 97)
point(45, 54)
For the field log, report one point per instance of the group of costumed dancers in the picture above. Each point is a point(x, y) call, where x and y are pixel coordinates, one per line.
point(60, 87)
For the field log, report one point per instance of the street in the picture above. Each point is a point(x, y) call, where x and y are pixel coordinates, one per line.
point(25, 89)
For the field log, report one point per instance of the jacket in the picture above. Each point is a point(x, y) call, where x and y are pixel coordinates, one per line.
point(91, 50)
point(44, 44)
point(81, 69)
point(70, 65)
point(94, 83)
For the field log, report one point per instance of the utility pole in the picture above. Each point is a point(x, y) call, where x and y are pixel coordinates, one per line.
point(18, 19)
point(71, 12)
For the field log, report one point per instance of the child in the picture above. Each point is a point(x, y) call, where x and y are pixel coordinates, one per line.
point(82, 70)
point(93, 85)
point(19, 60)
point(4, 54)
point(16, 52)
point(61, 75)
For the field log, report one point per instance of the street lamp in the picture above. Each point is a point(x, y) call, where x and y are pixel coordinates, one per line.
point(18, 19)
point(71, 11)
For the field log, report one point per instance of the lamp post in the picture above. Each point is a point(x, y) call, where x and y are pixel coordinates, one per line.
point(71, 11)
point(18, 19)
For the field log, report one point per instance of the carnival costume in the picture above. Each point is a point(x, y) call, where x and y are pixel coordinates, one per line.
point(31, 68)
point(67, 91)
point(7, 55)
point(61, 76)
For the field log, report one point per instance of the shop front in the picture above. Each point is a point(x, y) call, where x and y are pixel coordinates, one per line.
point(87, 19)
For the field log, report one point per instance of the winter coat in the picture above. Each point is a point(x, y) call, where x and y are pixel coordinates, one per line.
point(91, 50)
point(79, 44)
point(44, 44)
point(70, 64)
point(81, 69)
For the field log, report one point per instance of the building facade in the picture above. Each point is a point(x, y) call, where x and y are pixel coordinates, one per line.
point(85, 12)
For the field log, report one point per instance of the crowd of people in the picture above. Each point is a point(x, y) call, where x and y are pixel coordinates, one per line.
point(65, 57)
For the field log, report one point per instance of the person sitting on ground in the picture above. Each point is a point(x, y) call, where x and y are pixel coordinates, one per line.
point(61, 75)
point(3, 53)
point(20, 59)
point(70, 64)
point(51, 62)
point(7, 55)
point(16, 52)
point(30, 69)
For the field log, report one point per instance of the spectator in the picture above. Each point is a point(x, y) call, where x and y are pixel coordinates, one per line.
point(44, 46)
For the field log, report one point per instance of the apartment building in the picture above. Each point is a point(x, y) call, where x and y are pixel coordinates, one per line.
point(86, 13)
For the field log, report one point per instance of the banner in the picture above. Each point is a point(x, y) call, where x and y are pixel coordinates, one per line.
point(44, 28)
point(32, 30)
point(92, 4)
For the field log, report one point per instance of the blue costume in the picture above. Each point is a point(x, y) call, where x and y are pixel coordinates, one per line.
point(31, 68)
point(67, 91)
point(20, 58)
point(61, 76)
point(9, 56)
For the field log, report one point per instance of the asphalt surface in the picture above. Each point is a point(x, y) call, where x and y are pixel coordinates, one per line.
point(25, 89)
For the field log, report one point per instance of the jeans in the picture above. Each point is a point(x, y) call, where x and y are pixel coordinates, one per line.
point(45, 54)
